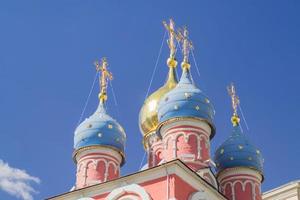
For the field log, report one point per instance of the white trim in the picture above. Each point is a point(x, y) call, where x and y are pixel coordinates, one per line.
point(200, 124)
point(101, 150)
point(238, 171)
point(173, 130)
point(99, 156)
point(129, 197)
point(202, 173)
point(290, 190)
point(133, 188)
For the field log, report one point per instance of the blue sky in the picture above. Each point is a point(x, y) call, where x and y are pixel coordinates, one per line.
point(47, 50)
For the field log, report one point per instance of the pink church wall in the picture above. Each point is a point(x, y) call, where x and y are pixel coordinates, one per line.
point(240, 186)
point(154, 150)
point(228, 191)
point(157, 189)
point(188, 143)
point(257, 191)
point(243, 193)
point(94, 168)
point(182, 189)
point(157, 149)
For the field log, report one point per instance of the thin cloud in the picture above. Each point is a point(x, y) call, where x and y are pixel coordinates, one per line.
point(17, 182)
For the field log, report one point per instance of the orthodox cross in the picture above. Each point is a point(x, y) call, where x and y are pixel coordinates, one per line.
point(235, 102)
point(172, 36)
point(186, 44)
point(105, 76)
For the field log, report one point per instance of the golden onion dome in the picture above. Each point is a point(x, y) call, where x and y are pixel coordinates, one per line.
point(148, 120)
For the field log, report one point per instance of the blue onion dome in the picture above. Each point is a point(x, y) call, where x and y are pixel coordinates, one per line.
point(237, 151)
point(186, 100)
point(100, 129)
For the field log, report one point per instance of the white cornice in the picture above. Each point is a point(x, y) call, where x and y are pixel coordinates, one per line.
point(100, 150)
point(289, 190)
point(201, 124)
point(236, 171)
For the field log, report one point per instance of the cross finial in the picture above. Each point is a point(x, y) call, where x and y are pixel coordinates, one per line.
point(105, 76)
point(235, 102)
point(186, 45)
point(171, 42)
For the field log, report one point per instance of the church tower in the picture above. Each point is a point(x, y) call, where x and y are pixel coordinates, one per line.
point(239, 163)
point(148, 120)
point(99, 141)
point(186, 119)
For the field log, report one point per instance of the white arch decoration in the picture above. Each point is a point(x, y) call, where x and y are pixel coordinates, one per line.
point(130, 197)
point(133, 188)
point(200, 195)
point(243, 184)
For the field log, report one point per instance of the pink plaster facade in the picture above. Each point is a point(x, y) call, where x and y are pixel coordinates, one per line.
point(168, 187)
point(154, 149)
point(189, 143)
point(241, 185)
point(168, 181)
point(96, 167)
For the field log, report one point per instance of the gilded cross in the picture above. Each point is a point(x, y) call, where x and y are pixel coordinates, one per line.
point(234, 98)
point(172, 36)
point(105, 76)
point(186, 44)
point(235, 102)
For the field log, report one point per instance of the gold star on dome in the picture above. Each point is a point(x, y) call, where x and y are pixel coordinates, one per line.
point(176, 107)
point(257, 151)
point(250, 158)
point(110, 126)
point(222, 151)
point(231, 158)
point(197, 107)
point(99, 134)
point(241, 147)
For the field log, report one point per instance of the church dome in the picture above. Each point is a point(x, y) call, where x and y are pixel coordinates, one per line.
point(237, 151)
point(186, 101)
point(148, 120)
point(100, 130)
